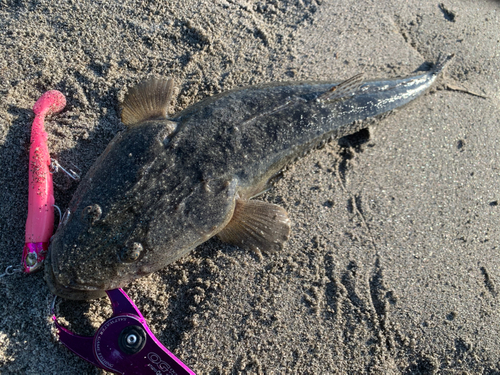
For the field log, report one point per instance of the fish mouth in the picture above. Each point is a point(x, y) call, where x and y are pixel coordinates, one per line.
point(74, 292)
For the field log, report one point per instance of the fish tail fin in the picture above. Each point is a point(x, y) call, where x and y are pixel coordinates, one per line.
point(147, 100)
point(442, 62)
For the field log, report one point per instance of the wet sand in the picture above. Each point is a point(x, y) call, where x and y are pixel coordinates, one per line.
point(392, 266)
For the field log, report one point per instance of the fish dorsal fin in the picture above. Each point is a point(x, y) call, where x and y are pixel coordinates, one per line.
point(257, 225)
point(147, 100)
point(343, 90)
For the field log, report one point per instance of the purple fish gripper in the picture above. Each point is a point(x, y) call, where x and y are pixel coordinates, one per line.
point(123, 344)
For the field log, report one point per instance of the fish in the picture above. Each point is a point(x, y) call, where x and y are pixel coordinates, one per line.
point(165, 185)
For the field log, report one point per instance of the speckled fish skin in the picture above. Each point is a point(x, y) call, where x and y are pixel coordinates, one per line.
point(164, 186)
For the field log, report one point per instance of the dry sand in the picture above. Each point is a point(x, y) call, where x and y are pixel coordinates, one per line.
point(393, 263)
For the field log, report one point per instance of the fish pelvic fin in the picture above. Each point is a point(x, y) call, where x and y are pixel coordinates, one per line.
point(147, 100)
point(257, 225)
point(343, 90)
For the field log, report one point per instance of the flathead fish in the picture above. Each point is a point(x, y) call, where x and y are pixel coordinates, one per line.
point(165, 185)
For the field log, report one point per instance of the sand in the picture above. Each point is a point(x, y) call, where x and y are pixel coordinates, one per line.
point(392, 266)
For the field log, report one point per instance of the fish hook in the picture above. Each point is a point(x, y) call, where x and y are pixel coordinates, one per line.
point(55, 166)
point(10, 270)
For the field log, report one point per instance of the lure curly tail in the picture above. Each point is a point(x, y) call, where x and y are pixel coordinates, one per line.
point(40, 221)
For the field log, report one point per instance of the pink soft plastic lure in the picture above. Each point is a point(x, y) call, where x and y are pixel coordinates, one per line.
point(40, 221)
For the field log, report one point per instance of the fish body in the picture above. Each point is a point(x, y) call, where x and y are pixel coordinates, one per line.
point(165, 185)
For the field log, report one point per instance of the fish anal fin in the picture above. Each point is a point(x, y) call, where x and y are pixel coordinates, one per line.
point(343, 90)
point(257, 225)
point(147, 100)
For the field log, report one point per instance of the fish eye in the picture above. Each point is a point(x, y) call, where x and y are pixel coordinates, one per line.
point(131, 253)
point(92, 213)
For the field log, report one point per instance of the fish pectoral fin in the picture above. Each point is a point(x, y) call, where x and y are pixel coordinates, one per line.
point(343, 90)
point(257, 225)
point(147, 100)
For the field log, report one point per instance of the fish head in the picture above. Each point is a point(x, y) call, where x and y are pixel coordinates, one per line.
point(132, 216)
